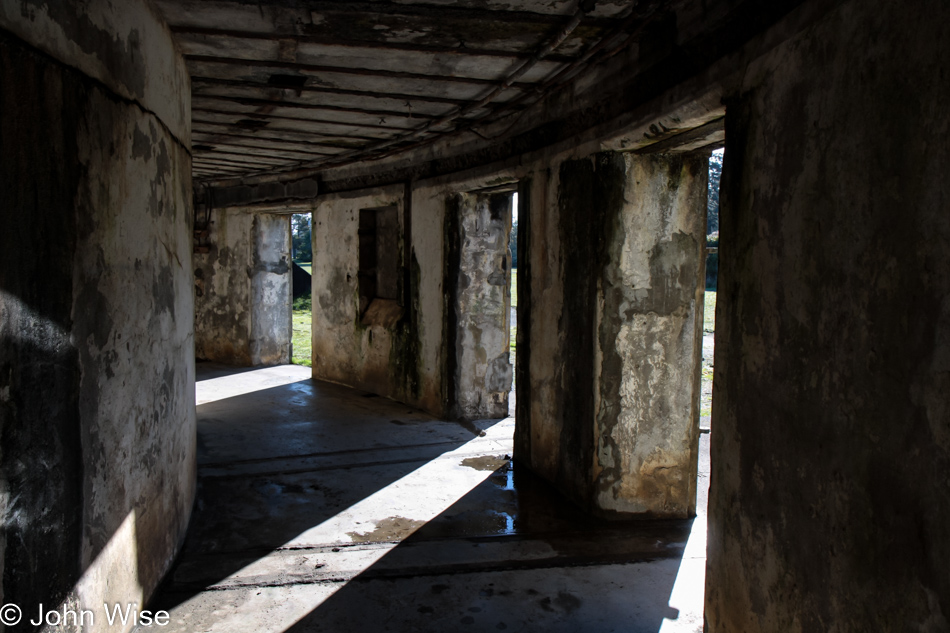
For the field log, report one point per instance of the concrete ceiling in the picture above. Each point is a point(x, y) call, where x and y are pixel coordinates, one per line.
point(281, 85)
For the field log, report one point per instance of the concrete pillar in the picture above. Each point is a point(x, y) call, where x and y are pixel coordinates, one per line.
point(616, 273)
point(243, 290)
point(649, 339)
point(271, 290)
point(478, 306)
point(97, 402)
point(830, 483)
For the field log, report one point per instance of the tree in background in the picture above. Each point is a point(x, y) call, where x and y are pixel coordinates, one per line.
point(712, 201)
point(712, 219)
point(301, 246)
point(513, 245)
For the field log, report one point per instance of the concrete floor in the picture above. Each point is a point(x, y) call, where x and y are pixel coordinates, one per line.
point(321, 508)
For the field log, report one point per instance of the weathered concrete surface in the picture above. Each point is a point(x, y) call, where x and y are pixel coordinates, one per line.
point(222, 291)
point(400, 359)
point(616, 256)
point(242, 290)
point(124, 46)
point(97, 472)
point(323, 510)
point(830, 496)
point(271, 291)
point(649, 339)
point(480, 306)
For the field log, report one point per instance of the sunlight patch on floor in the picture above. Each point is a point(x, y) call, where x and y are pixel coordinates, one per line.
point(243, 382)
point(367, 531)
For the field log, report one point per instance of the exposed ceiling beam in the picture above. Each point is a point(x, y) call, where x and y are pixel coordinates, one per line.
point(278, 135)
point(422, 10)
point(344, 70)
point(707, 134)
point(332, 108)
point(218, 150)
point(252, 102)
point(370, 45)
point(335, 91)
point(233, 146)
point(271, 115)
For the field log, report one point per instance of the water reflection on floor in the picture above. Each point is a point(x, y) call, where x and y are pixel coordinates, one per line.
point(321, 509)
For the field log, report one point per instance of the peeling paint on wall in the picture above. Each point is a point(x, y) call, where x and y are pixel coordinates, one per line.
point(97, 470)
point(480, 307)
point(616, 265)
point(242, 289)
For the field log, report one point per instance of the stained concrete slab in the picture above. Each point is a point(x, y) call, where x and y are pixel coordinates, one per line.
point(323, 508)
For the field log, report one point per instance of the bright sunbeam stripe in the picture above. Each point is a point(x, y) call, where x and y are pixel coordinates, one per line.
point(244, 382)
point(407, 503)
point(688, 590)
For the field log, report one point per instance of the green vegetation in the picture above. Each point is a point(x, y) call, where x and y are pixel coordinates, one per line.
point(300, 244)
point(712, 261)
point(514, 288)
point(300, 339)
point(709, 312)
point(712, 200)
point(306, 266)
point(514, 304)
point(513, 245)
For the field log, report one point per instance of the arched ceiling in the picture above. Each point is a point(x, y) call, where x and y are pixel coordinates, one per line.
point(284, 85)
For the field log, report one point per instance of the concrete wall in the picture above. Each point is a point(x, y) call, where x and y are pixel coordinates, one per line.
point(97, 470)
point(223, 291)
point(406, 360)
point(378, 357)
point(478, 269)
point(243, 290)
point(649, 339)
point(830, 489)
point(616, 255)
point(271, 290)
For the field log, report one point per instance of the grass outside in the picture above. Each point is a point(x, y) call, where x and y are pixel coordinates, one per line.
point(709, 327)
point(306, 266)
point(300, 340)
point(514, 304)
point(709, 312)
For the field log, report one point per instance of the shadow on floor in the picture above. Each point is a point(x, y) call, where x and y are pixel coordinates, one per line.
point(276, 462)
point(321, 508)
point(512, 555)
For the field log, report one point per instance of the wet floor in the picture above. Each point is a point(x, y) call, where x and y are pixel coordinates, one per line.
point(322, 508)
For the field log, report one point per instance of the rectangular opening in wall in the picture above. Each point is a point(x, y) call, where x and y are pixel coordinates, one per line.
point(302, 257)
point(379, 268)
point(479, 303)
point(712, 274)
point(513, 294)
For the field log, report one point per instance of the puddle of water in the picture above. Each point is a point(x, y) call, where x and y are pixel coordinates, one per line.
point(485, 462)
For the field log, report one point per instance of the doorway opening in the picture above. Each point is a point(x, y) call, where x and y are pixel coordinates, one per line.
point(513, 295)
point(709, 298)
point(301, 246)
point(478, 306)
